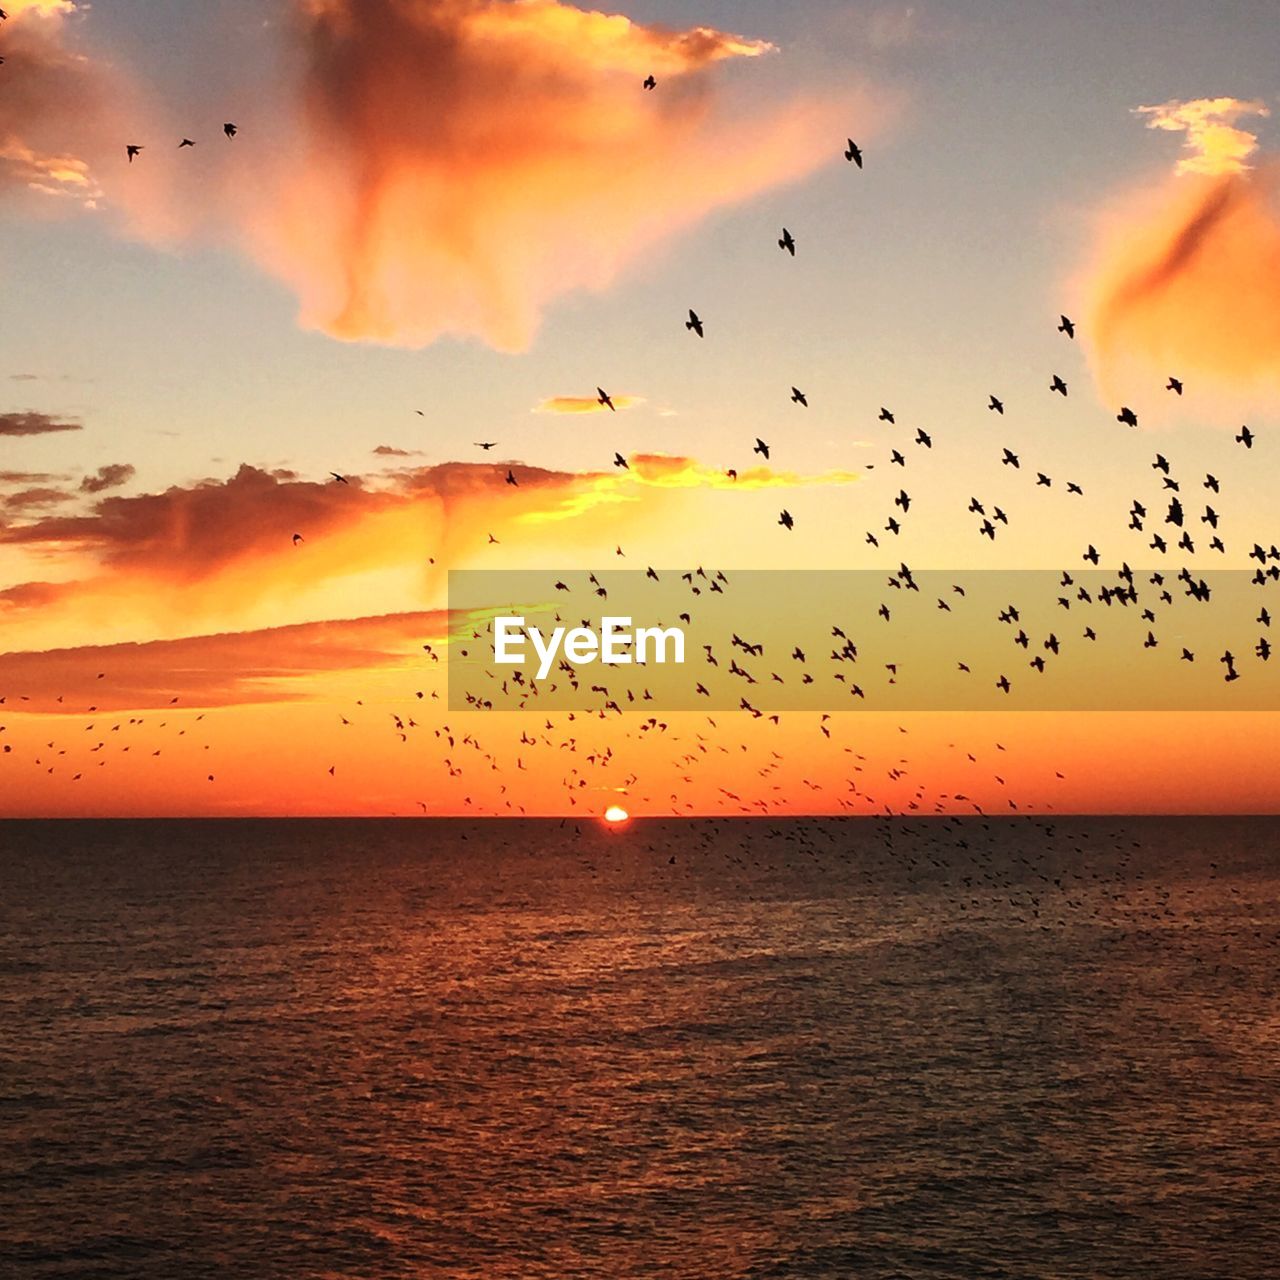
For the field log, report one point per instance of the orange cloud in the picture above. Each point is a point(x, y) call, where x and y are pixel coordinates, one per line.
point(466, 162)
point(241, 668)
point(1186, 279)
point(585, 404)
point(59, 107)
point(1216, 145)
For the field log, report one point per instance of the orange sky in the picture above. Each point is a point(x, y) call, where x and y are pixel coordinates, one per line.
point(196, 617)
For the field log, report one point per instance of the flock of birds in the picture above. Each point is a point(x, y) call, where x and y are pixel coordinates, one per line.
point(588, 767)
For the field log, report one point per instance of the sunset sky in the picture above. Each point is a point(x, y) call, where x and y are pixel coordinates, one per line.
point(442, 222)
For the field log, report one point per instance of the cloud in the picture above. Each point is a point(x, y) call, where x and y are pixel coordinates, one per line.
point(30, 477)
point(1185, 279)
point(390, 451)
point(234, 669)
point(675, 472)
point(111, 476)
point(33, 424)
point(467, 162)
point(36, 498)
point(1216, 145)
point(585, 404)
point(61, 109)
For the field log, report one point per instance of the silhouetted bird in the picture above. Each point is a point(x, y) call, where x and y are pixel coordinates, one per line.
point(486, 445)
point(694, 323)
point(854, 153)
point(996, 405)
point(620, 461)
point(186, 142)
point(1245, 438)
point(799, 397)
point(1058, 385)
point(1066, 326)
point(230, 130)
point(602, 398)
point(1173, 385)
point(761, 448)
point(132, 150)
point(786, 521)
point(1127, 416)
point(650, 82)
point(787, 242)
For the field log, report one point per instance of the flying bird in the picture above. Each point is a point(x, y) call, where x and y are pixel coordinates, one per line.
point(1067, 326)
point(603, 398)
point(650, 82)
point(787, 242)
point(694, 323)
point(511, 478)
point(785, 520)
point(486, 445)
point(853, 153)
point(1174, 385)
point(1127, 416)
point(761, 448)
point(132, 150)
point(1245, 438)
point(186, 142)
point(799, 397)
point(886, 416)
point(996, 405)
point(620, 461)
point(1058, 385)
point(229, 130)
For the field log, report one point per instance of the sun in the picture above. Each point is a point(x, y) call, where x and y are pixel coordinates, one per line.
point(616, 813)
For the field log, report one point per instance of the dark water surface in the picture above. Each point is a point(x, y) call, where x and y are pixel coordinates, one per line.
point(809, 1049)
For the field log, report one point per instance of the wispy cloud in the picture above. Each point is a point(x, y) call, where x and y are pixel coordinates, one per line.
point(111, 476)
point(585, 404)
point(31, 423)
point(1215, 143)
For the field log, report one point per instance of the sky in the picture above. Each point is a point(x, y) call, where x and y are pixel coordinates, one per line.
point(442, 222)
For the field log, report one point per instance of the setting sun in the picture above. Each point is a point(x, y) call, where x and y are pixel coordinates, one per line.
point(615, 813)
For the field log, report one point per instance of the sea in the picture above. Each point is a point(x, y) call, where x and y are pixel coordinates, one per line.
point(862, 1048)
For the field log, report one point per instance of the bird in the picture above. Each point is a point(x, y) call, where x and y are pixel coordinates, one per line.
point(761, 448)
point(787, 242)
point(603, 398)
point(620, 461)
point(339, 479)
point(297, 538)
point(650, 82)
point(694, 323)
point(486, 445)
point(186, 142)
point(1245, 438)
point(1174, 385)
point(131, 150)
point(230, 130)
point(511, 478)
point(1067, 326)
point(1058, 385)
point(886, 416)
point(799, 397)
point(785, 520)
point(1127, 416)
point(1010, 459)
point(853, 153)
point(996, 406)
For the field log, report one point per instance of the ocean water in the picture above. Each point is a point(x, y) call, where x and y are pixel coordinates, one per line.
point(683, 1049)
